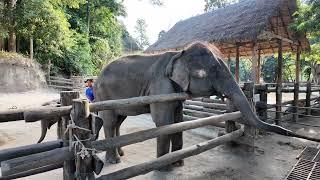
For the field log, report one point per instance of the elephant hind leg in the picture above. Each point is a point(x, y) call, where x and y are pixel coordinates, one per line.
point(120, 120)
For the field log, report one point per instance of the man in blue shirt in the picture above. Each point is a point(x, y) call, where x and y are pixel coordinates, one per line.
point(89, 90)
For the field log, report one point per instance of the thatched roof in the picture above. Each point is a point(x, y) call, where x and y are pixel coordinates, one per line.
point(242, 23)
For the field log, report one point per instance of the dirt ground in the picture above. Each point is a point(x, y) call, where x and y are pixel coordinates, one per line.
point(273, 158)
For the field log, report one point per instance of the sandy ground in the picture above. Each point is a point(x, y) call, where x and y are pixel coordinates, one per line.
point(273, 158)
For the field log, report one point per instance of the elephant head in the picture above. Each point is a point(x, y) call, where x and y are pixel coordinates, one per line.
point(199, 72)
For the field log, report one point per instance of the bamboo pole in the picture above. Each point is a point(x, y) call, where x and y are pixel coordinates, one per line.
point(171, 157)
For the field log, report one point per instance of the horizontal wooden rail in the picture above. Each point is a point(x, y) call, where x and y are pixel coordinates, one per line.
point(196, 113)
point(59, 78)
point(144, 135)
point(35, 161)
point(203, 109)
point(36, 115)
point(11, 153)
point(61, 87)
point(207, 105)
point(61, 82)
point(12, 115)
point(32, 172)
point(172, 157)
point(192, 118)
point(208, 100)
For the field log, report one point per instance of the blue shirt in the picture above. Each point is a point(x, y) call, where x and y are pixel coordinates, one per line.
point(89, 94)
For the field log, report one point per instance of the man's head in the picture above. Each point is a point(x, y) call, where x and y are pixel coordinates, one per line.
point(89, 82)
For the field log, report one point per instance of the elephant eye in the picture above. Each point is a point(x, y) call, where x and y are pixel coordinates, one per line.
point(200, 73)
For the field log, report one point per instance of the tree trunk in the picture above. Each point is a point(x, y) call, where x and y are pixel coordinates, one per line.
point(12, 34)
point(31, 48)
point(1, 44)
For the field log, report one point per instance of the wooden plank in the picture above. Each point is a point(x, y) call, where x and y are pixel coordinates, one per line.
point(207, 105)
point(203, 109)
point(59, 78)
point(12, 153)
point(34, 161)
point(171, 157)
point(61, 82)
point(61, 87)
point(140, 136)
point(11, 115)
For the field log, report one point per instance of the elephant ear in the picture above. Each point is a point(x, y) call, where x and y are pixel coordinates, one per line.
point(178, 72)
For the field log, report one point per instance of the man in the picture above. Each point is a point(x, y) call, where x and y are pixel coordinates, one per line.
point(89, 90)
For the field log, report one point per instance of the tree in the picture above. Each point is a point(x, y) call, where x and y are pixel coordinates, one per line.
point(141, 34)
point(216, 4)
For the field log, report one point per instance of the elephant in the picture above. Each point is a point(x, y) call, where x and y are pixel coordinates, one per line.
point(196, 70)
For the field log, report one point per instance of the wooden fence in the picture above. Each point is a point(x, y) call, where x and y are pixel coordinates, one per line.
point(75, 151)
point(74, 83)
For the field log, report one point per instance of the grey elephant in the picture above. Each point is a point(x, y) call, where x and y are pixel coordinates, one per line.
point(195, 70)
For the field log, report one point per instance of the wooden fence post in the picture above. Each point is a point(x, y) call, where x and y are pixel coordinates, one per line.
point(308, 97)
point(66, 100)
point(296, 101)
point(249, 131)
point(264, 99)
point(230, 125)
point(83, 155)
point(279, 84)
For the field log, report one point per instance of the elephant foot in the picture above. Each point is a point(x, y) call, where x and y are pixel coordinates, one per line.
point(178, 163)
point(112, 159)
point(120, 152)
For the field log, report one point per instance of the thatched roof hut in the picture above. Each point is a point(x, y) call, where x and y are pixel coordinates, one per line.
point(244, 25)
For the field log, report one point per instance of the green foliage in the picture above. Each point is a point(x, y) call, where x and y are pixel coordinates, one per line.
point(216, 4)
point(78, 36)
point(141, 34)
point(269, 69)
point(244, 69)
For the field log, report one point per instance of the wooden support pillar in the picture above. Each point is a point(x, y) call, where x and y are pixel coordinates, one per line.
point(66, 98)
point(80, 115)
point(308, 98)
point(229, 61)
point(255, 69)
point(259, 66)
point(279, 83)
point(237, 64)
point(264, 99)
point(296, 85)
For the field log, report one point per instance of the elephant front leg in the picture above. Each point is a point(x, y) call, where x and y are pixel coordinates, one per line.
point(177, 138)
point(109, 125)
point(162, 114)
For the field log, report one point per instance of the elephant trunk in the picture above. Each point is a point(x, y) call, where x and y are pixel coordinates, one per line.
point(238, 98)
point(44, 129)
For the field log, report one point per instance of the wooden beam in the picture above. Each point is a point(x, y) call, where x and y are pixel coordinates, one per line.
point(254, 69)
point(296, 85)
point(12, 153)
point(267, 35)
point(207, 105)
point(171, 157)
point(237, 64)
point(279, 83)
point(34, 161)
point(132, 138)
